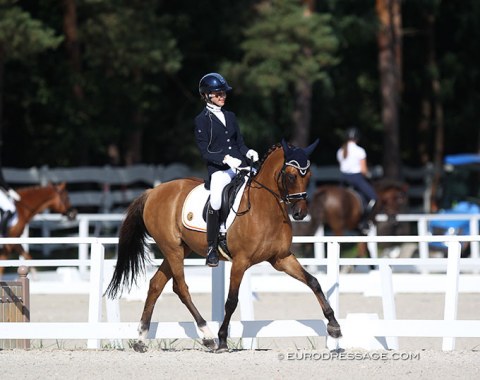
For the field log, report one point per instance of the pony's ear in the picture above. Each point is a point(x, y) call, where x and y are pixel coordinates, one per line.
point(285, 146)
point(309, 149)
point(61, 185)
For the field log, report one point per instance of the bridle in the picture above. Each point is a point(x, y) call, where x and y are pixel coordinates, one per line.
point(287, 198)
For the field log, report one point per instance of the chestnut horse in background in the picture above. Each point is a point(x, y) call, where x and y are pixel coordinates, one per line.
point(261, 231)
point(341, 209)
point(34, 200)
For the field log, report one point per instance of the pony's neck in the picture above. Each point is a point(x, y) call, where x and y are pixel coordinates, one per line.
point(35, 201)
point(271, 167)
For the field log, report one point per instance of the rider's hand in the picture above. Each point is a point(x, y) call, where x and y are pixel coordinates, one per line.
point(233, 162)
point(14, 195)
point(252, 155)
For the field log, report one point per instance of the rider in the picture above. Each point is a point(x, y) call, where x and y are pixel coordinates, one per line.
point(7, 204)
point(353, 165)
point(222, 147)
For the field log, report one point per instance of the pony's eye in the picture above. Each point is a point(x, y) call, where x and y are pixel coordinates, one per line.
point(291, 178)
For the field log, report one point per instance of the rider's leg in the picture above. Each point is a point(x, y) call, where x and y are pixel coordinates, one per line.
point(218, 181)
point(360, 183)
point(5, 219)
point(212, 237)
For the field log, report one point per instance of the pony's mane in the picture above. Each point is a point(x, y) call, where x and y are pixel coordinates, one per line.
point(270, 151)
point(30, 188)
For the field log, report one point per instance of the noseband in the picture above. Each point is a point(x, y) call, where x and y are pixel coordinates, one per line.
point(295, 197)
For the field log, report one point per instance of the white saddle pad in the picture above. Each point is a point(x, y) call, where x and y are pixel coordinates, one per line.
point(194, 204)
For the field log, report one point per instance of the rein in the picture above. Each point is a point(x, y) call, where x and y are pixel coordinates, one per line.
point(287, 198)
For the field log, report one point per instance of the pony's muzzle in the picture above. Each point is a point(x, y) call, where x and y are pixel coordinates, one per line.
point(71, 213)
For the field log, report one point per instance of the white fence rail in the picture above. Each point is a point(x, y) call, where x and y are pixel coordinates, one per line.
point(86, 221)
point(385, 330)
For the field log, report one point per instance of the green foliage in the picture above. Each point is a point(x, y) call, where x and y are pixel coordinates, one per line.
point(141, 62)
point(22, 36)
point(282, 45)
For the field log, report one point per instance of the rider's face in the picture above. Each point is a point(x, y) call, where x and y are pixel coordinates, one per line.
point(218, 98)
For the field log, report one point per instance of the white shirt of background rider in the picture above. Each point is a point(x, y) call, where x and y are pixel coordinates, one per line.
point(355, 160)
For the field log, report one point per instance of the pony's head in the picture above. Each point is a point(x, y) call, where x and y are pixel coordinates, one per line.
point(295, 176)
point(61, 202)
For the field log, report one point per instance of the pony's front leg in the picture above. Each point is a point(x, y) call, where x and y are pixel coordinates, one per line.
point(236, 276)
point(292, 267)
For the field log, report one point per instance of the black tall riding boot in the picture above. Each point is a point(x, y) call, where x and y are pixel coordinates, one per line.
point(5, 218)
point(213, 227)
point(367, 217)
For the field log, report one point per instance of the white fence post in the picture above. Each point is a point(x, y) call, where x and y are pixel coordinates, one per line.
point(218, 292)
point(83, 231)
point(474, 245)
point(96, 289)
point(423, 245)
point(388, 300)
point(451, 291)
point(319, 248)
point(333, 276)
point(246, 308)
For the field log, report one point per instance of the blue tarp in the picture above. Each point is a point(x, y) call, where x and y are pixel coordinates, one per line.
point(462, 159)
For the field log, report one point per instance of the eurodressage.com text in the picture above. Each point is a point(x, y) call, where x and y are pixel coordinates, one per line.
point(303, 356)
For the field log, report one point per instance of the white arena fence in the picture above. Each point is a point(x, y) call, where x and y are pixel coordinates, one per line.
point(384, 332)
point(84, 222)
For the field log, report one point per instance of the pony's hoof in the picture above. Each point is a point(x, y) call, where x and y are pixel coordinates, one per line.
point(210, 344)
point(222, 349)
point(334, 331)
point(139, 346)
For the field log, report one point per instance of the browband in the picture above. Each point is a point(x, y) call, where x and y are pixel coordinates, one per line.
point(296, 165)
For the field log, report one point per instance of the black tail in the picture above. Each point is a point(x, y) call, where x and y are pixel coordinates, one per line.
point(131, 249)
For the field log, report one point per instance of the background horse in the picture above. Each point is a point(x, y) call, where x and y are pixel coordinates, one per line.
point(34, 200)
point(261, 231)
point(341, 209)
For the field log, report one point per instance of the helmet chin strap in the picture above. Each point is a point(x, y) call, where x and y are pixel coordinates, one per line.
point(207, 98)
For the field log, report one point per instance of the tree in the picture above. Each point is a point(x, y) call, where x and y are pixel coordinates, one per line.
point(390, 63)
point(126, 45)
point(286, 49)
point(21, 36)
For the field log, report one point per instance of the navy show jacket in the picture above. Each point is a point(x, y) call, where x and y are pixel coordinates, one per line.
point(215, 140)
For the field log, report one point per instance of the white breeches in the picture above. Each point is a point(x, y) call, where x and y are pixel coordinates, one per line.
point(218, 181)
point(6, 203)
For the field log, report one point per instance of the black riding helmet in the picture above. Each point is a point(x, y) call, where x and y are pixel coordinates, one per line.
point(212, 82)
point(352, 133)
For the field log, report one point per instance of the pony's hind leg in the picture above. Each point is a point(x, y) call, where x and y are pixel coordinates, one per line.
point(292, 267)
point(180, 288)
point(157, 284)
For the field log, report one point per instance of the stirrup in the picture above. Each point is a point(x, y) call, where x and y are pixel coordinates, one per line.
point(222, 247)
point(212, 257)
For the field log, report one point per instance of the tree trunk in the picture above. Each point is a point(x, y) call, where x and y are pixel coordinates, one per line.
point(72, 46)
point(303, 96)
point(437, 107)
point(389, 44)
point(133, 154)
point(302, 113)
point(2, 65)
